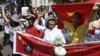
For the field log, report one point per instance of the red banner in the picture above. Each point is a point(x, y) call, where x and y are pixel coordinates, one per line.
point(98, 1)
point(33, 46)
point(23, 41)
point(64, 11)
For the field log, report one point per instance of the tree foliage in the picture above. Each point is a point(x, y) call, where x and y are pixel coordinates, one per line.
point(2, 1)
point(68, 1)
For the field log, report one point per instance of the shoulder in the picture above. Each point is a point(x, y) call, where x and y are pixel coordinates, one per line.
point(82, 28)
point(58, 30)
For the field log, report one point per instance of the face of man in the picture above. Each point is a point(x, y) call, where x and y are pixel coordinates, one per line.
point(30, 22)
point(51, 24)
point(51, 15)
point(75, 20)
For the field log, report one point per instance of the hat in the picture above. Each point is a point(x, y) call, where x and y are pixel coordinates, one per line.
point(96, 24)
point(22, 19)
point(15, 18)
point(51, 17)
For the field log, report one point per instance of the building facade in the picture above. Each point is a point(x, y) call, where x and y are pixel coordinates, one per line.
point(37, 3)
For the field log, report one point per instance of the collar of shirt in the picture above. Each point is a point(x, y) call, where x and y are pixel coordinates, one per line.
point(52, 29)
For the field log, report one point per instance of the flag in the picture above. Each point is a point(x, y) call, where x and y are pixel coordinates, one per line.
point(97, 1)
point(92, 49)
point(65, 11)
point(31, 45)
point(34, 46)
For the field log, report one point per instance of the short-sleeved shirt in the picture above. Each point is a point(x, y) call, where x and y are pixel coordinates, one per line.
point(75, 35)
point(11, 31)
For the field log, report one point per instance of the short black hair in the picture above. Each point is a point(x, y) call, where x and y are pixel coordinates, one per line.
point(47, 25)
point(79, 14)
point(31, 18)
point(14, 24)
point(50, 13)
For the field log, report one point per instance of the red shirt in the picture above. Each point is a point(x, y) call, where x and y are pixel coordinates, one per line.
point(33, 31)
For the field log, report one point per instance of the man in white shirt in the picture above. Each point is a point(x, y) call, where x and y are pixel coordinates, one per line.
point(6, 35)
point(13, 25)
point(51, 33)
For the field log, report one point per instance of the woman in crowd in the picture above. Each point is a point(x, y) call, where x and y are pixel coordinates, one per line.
point(51, 33)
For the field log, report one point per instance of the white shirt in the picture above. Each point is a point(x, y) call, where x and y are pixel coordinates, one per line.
point(11, 31)
point(6, 29)
point(50, 35)
point(97, 33)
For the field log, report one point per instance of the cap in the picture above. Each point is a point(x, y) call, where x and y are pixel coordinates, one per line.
point(15, 18)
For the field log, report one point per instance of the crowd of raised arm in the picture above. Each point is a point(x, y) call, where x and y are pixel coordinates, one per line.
point(44, 25)
point(36, 23)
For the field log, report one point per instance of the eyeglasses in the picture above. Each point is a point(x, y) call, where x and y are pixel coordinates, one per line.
point(51, 24)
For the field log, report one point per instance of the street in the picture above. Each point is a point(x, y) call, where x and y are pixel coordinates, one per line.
point(7, 50)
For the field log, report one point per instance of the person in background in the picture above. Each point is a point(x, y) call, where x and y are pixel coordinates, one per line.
point(24, 23)
point(93, 37)
point(94, 25)
point(6, 35)
point(31, 29)
point(13, 24)
point(42, 20)
point(50, 14)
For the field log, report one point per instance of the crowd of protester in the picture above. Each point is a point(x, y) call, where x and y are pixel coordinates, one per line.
point(44, 25)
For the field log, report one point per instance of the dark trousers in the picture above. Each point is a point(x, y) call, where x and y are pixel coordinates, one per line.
point(6, 39)
point(1, 53)
point(1, 48)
